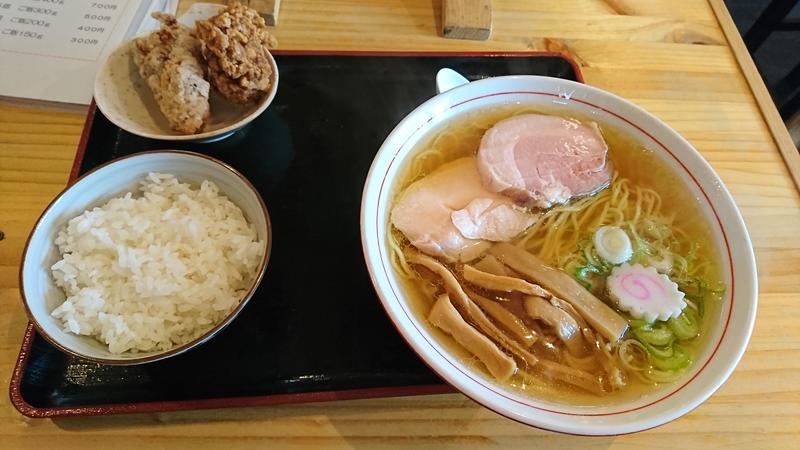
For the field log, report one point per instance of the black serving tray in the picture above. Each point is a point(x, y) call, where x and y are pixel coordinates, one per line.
point(315, 329)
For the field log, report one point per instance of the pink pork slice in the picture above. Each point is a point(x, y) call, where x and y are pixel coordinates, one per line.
point(450, 214)
point(541, 160)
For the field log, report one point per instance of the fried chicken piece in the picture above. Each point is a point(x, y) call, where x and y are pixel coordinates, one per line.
point(234, 44)
point(168, 60)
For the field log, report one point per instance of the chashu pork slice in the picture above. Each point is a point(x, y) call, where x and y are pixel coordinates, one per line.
point(540, 160)
point(450, 214)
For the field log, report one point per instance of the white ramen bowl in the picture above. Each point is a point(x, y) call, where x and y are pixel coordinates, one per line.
point(40, 295)
point(728, 335)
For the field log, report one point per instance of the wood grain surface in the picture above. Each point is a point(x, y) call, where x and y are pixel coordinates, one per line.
point(673, 57)
point(467, 19)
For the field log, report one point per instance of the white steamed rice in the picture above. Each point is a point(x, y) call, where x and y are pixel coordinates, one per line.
point(151, 271)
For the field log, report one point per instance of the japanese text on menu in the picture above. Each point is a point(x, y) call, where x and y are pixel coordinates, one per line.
point(75, 29)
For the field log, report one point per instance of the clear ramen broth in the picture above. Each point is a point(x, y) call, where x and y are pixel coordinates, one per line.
point(647, 200)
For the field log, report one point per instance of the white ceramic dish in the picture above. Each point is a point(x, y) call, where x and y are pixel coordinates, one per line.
point(40, 294)
point(727, 338)
point(125, 99)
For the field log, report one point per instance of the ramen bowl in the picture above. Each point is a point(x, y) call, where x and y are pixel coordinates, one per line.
point(729, 327)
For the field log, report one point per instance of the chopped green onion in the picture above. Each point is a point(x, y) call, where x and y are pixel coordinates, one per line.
point(678, 359)
point(658, 335)
point(719, 289)
point(686, 326)
point(657, 352)
point(594, 268)
point(582, 275)
point(663, 340)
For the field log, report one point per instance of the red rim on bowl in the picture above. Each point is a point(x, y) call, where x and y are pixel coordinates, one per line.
point(374, 216)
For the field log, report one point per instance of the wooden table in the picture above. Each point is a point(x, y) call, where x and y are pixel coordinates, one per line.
point(680, 59)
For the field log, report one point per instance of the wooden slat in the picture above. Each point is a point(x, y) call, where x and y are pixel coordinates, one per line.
point(268, 9)
point(773, 119)
point(467, 19)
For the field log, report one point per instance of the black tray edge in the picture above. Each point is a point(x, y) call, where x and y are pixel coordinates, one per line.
point(31, 411)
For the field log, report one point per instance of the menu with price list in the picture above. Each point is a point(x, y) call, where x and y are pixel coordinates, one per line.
point(51, 49)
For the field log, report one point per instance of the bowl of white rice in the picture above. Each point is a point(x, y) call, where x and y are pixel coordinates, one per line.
point(145, 257)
